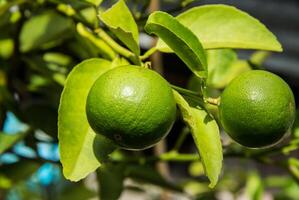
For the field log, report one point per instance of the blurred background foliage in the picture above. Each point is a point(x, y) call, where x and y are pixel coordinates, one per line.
point(40, 42)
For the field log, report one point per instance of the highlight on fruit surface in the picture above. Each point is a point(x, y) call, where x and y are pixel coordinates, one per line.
point(131, 105)
point(257, 109)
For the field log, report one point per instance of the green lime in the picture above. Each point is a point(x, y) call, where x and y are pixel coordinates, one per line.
point(131, 105)
point(257, 108)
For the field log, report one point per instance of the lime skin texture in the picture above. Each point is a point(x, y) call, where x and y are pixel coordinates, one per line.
point(257, 109)
point(131, 105)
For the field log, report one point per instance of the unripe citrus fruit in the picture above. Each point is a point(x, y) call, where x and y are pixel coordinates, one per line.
point(257, 108)
point(132, 106)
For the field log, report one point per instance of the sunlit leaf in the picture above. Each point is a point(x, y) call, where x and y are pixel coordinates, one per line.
point(120, 21)
point(223, 66)
point(205, 132)
point(81, 150)
point(180, 39)
point(223, 26)
point(90, 15)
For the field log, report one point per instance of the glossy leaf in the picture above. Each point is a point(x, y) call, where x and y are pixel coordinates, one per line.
point(223, 66)
point(44, 30)
point(180, 39)
point(8, 140)
point(120, 21)
point(81, 150)
point(223, 26)
point(111, 177)
point(205, 132)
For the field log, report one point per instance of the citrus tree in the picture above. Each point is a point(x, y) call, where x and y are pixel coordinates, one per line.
point(80, 62)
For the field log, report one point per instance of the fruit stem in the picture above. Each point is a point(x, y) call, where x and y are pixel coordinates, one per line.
point(197, 96)
point(213, 101)
point(148, 53)
point(186, 92)
point(119, 49)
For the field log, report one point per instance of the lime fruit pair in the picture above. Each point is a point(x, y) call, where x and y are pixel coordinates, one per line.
point(133, 106)
point(257, 108)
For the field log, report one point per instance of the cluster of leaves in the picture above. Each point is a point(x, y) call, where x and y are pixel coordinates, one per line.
point(41, 41)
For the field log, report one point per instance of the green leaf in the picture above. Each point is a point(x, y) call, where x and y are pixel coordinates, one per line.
point(206, 136)
point(120, 21)
point(81, 150)
point(8, 140)
point(219, 61)
point(223, 26)
point(94, 2)
point(90, 14)
point(44, 30)
point(180, 39)
point(259, 57)
point(223, 66)
point(111, 177)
